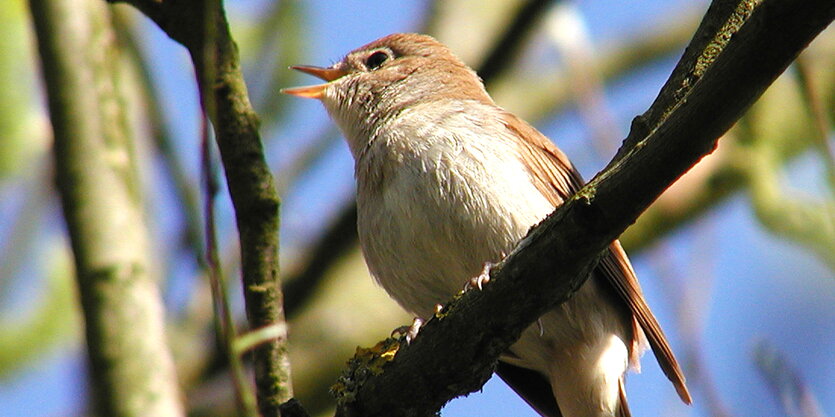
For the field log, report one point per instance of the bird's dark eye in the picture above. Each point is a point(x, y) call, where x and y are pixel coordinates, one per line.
point(376, 59)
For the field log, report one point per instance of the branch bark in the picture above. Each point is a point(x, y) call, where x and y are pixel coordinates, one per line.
point(131, 366)
point(251, 185)
point(457, 351)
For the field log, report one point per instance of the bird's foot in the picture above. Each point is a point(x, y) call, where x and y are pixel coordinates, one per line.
point(409, 332)
point(482, 278)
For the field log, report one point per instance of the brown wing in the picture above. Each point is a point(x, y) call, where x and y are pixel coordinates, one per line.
point(557, 179)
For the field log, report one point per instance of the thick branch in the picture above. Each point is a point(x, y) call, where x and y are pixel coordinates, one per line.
point(456, 352)
point(722, 19)
point(250, 182)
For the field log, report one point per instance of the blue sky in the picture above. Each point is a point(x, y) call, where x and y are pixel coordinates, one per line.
point(762, 288)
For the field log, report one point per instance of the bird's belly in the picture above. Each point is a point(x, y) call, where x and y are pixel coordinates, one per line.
point(430, 232)
point(423, 246)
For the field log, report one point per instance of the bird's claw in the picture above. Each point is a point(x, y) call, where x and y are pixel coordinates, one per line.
point(482, 278)
point(439, 309)
point(409, 332)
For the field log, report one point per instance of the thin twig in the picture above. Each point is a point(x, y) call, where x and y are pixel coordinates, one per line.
point(223, 320)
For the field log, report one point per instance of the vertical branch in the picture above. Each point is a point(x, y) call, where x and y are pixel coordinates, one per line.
point(130, 364)
point(256, 204)
point(151, 102)
point(251, 184)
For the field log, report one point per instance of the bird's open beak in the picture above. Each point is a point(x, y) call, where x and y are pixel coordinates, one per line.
point(315, 91)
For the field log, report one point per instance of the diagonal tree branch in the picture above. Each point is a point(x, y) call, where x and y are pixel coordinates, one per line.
point(723, 18)
point(456, 352)
point(510, 42)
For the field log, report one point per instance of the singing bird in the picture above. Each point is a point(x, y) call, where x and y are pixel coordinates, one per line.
point(447, 181)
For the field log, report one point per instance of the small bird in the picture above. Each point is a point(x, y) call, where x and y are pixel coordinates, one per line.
point(448, 182)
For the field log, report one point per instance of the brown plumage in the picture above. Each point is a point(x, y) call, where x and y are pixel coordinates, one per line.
point(448, 181)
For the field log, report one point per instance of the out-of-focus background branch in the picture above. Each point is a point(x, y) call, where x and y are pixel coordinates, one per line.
point(131, 367)
point(738, 251)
